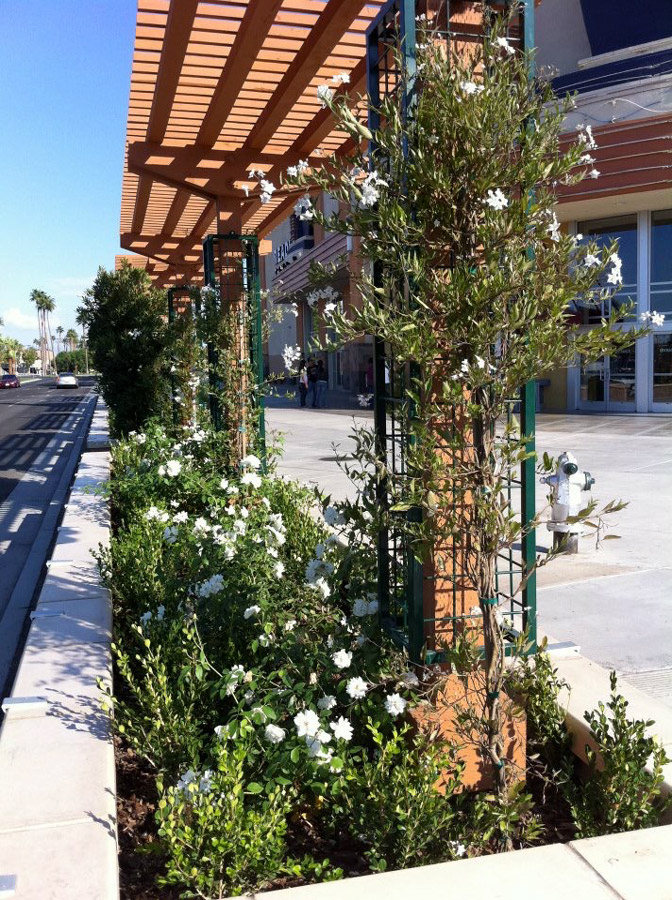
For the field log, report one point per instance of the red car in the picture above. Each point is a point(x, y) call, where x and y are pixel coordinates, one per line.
point(9, 381)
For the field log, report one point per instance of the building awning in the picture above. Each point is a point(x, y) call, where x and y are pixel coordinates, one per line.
point(217, 89)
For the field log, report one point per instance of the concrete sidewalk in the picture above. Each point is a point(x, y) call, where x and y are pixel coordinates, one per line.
point(615, 601)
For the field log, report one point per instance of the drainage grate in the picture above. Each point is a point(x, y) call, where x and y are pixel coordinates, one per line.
point(656, 683)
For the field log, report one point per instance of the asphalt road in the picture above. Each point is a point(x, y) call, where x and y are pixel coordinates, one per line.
point(39, 428)
point(29, 417)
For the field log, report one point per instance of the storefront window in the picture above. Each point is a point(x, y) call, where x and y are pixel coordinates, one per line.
point(661, 261)
point(662, 368)
point(604, 231)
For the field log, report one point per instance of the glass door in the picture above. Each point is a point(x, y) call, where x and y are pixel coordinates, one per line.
point(608, 385)
point(662, 373)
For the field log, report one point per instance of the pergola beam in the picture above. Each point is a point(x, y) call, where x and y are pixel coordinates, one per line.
point(334, 21)
point(256, 24)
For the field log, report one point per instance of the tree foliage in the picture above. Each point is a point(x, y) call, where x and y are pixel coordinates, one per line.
point(127, 334)
point(474, 290)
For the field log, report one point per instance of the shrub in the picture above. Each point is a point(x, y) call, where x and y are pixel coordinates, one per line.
point(622, 790)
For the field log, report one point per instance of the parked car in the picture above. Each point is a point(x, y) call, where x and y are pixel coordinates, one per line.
point(66, 380)
point(9, 381)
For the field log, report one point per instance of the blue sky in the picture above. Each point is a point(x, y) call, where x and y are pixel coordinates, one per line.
point(65, 68)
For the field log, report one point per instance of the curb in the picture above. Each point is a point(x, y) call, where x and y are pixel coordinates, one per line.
point(57, 777)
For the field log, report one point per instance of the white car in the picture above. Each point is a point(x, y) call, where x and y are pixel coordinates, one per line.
point(66, 380)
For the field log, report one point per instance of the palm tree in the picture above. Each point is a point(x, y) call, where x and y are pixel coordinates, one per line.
point(72, 339)
point(60, 331)
point(44, 305)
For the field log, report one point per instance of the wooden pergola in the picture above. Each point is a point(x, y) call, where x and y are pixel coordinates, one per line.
point(219, 88)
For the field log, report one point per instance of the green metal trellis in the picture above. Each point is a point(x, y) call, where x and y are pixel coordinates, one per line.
point(183, 300)
point(401, 576)
point(231, 267)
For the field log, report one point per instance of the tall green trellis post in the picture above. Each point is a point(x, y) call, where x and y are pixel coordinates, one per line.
point(231, 269)
point(176, 306)
point(392, 36)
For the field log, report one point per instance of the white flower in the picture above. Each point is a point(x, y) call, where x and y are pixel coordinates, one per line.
point(232, 490)
point(372, 608)
point(162, 470)
point(304, 208)
point(145, 618)
point(294, 309)
point(592, 260)
point(342, 729)
point(252, 479)
point(307, 723)
point(243, 512)
point(615, 276)
point(181, 517)
point(333, 517)
point(554, 228)
point(594, 173)
point(290, 625)
point(264, 639)
point(274, 734)
point(329, 308)
point(364, 400)
point(326, 702)
point(153, 513)
point(250, 462)
point(410, 679)
point(496, 199)
point(267, 186)
point(222, 732)
point(185, 780)
point(211, 586)
point(457, 847)
point(341, 78)
point(173, 468)
point(279, 569)
point(224, 483)
point(161, 612)
point(585, 136)
point(324, 94)
point(505, 45)
point(251, 611)
point(317, 751)
point(470, 87)
point(323, 587)
point(395, 705)
point(480, 362)
point(655, 318)
point(140, 438)
point(369, 188)
point(291, 355)
point(357, 688)
point(205, 782)
point(342, 659)
point(201, 527)
point(265, 197)
point(360, 608)
point(170, 534)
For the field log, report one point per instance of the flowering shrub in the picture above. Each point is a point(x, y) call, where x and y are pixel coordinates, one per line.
point(254, 678)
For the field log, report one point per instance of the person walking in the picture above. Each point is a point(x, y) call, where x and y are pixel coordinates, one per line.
point(311, 372)
point(322, 384)
point(303, 382)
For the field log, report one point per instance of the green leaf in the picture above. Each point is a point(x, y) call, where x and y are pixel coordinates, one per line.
point(254, 788)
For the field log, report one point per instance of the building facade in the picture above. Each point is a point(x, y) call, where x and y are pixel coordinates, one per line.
point(618, 60)
point(617, 57)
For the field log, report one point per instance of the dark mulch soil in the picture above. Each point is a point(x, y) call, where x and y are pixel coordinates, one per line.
point(139, 861)
point(552, 809)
